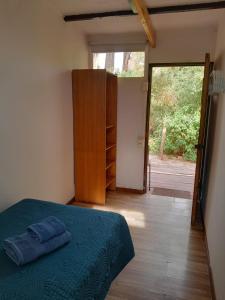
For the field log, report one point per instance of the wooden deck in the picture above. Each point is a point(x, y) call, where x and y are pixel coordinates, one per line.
point(170, 175)
point(170, 261)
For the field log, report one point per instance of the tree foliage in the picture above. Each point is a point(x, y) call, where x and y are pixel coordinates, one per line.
point(133, 65)
point(176, 98)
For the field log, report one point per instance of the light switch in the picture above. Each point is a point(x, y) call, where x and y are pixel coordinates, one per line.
point(145, 86)
point(141, 141)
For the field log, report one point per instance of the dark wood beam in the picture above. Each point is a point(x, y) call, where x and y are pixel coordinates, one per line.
point(91, 16)
point(152, 11)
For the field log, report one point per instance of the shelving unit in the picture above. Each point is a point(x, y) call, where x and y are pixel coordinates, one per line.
point(95, 120)
point(110, 146)
point(110, 127)
point(109, 181)
point(111, 119)
point(109, 164)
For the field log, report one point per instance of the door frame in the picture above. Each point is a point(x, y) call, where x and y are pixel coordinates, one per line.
point(148, 108)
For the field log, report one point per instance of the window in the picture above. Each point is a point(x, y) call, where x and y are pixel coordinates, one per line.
point(124, 64)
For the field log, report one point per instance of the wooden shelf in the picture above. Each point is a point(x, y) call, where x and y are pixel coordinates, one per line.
point(109, 164)
point(95, 124)
point(110, 126)
point(108, 147)
point(109, 180)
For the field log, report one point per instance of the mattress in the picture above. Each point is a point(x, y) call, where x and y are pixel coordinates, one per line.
point(101, 247)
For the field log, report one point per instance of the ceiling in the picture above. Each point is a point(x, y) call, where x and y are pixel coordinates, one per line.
point(89, 6)
point(209, 18)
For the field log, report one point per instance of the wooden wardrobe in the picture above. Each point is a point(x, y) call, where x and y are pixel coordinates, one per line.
point(95, 116)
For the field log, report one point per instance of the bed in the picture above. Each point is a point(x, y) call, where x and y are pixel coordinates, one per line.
point(101, 247)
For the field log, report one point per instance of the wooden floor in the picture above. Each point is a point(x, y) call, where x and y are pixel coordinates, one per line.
point(170, 261)
point(172, 174)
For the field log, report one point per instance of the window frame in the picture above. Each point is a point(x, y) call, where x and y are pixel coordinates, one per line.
point(92, 52)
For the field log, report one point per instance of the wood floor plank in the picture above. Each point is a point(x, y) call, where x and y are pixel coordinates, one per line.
point(171, 261)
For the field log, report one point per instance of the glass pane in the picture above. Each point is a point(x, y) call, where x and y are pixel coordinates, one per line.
point(124, 64)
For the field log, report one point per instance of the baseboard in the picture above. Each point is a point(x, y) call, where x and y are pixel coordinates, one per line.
point(118, 189)
point(210, 269)
point(73, 201)
point(131, 191)
point(70, 202)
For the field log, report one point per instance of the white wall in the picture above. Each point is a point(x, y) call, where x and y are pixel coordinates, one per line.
point(117, 42)
point(183, 45)
point(37, 52)
point(215, 206)
point(130, 132)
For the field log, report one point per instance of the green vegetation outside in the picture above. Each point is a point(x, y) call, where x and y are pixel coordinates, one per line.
point(175, 105)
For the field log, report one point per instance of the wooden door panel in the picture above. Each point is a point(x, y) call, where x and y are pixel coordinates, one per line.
point(89, 94)
point(200, 147)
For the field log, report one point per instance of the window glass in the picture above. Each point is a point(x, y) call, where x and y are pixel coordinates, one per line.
point(124, 64)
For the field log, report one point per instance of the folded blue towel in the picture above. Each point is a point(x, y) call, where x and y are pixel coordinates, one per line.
point(47, 229)
point(23, 249)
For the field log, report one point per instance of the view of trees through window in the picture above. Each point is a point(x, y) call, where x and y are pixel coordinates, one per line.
point(124, 64)
point(175, 110)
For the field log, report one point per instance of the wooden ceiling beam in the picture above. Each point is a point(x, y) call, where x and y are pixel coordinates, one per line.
point(142, 11)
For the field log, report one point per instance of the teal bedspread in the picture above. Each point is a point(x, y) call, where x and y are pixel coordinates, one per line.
point(101, 247)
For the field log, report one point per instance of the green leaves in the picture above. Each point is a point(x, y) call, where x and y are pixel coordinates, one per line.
point(176, 100)
point(182, 134)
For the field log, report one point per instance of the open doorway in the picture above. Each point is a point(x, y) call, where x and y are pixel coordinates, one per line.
point(174, 122)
